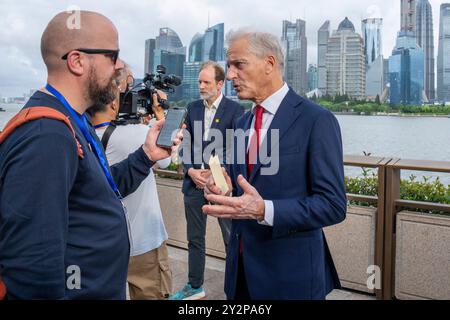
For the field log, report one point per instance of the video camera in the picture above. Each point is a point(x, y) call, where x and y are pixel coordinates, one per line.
point(138, 101)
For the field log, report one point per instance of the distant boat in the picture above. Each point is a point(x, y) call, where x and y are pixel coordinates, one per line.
point(2, 110)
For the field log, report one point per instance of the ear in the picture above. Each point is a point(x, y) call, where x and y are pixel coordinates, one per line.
point(114, 106)
point(271, 63)
point(77, 63)
point(220, 85)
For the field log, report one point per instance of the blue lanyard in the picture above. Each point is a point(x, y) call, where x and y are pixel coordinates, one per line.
point(101, 125)
point(84, 127)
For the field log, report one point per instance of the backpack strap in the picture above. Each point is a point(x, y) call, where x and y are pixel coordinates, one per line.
point(107, 134)
point(35, 113)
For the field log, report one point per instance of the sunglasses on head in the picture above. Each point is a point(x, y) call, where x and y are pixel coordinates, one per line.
point(113, 54)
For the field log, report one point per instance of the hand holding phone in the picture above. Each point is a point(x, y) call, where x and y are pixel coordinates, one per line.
point(155, 152)
point(173, 123)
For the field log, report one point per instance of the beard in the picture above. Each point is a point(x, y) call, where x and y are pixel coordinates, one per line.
point(208, 95)
point(98, 95)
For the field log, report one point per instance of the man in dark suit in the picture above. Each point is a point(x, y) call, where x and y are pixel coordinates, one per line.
point(207, 121)
point(277, 249)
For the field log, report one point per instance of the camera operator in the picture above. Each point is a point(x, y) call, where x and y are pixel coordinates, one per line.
point(149, 275)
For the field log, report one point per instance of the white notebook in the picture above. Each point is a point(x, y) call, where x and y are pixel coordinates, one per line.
point(217, 173)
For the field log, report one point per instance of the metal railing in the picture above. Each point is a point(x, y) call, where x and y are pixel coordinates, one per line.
point(395, 204)
point(388, 203)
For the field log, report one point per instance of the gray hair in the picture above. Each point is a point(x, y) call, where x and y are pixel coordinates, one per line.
point(261, 44)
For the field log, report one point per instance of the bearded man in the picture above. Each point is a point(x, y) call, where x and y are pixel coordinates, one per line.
point(63, 227)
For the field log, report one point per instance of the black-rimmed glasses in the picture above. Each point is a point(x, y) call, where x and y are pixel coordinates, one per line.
point(113, 54)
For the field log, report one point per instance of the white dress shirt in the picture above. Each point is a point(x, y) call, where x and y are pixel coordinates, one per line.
point(270, 105)
point(210, 113)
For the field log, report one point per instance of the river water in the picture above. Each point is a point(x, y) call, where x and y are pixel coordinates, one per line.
point(420, 138)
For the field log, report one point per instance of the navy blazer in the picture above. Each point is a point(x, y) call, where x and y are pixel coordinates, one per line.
point(226, 115)
point(291, 260)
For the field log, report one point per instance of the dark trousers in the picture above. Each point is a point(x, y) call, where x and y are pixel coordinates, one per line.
point(196, 230)
point(242, 293)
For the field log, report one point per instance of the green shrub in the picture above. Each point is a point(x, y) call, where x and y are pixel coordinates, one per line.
point(426, 190)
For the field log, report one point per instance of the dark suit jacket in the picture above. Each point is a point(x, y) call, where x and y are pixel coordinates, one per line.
point(291, 260)
point(226, 114)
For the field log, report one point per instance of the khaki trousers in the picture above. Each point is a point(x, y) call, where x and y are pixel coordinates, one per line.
point(149, 275)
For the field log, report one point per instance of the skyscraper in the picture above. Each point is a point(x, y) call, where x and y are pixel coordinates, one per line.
point(148, 59)
point(373, 39)
point(406, 70)
point(203, 47)
point(443, 63)
point(169, 40)
point(312, 77)
point(425, 39)
point(373, 50)
point(170, 53)
point(295, 44)
point(346, 67)
point(196, 48)
point(406, 64)
point(190, 80)
point(323, 34)
point(213, 43)
point(408, 16)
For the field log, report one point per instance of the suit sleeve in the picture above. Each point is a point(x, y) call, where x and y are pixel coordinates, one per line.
point(327, 202)
point(129, 173)
point(34, 208)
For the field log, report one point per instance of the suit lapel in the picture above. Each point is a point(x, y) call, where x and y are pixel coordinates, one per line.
point(217, 121)
point(287, 114)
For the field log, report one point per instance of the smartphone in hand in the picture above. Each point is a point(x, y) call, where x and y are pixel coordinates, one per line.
point(174, 121)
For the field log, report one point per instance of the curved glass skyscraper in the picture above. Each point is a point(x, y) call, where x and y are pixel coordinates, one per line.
point(213, 43)
point(373, 51)
point(373, 39)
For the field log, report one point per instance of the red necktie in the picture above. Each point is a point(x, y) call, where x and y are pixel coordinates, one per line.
point(253, 149)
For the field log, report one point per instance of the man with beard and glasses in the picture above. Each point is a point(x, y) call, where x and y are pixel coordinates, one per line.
point(63, 227)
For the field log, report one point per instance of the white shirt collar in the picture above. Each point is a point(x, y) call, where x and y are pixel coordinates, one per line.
point(216, 103)
point(272, 103)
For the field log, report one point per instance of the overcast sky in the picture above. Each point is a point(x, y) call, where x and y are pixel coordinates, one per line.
point(22, 23)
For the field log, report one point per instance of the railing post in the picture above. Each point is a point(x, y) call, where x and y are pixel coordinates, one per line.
point(393, 178)
point(379, 224)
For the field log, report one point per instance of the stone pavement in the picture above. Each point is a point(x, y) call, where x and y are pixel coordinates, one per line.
point(214, 276)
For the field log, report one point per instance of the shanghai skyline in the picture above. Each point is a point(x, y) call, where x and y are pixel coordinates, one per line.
point(22, 67)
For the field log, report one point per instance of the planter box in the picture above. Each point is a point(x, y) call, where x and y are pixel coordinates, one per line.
point(422, 262)
point(351, 242)
point(352, 245)
point(172, 206)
